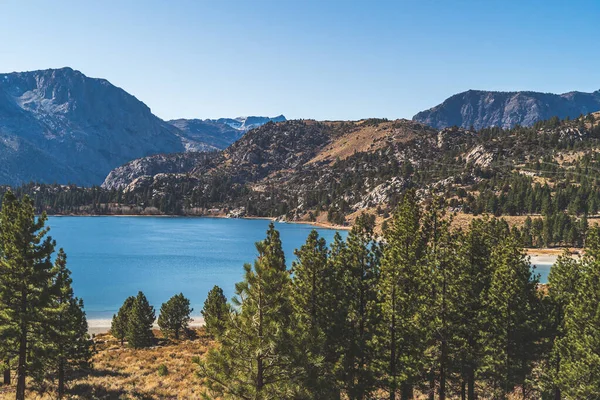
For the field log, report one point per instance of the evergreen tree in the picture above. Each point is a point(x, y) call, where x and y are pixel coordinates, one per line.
point(215, 312)
point(311, 298)
point(579, 374)
point(175, 316)
point(119, 324)
point(401, 286)
point(483, 235)
point(446, 303)
point(362, 256)
point(511, 314)
point(563, 284)
point(25, 277)
point(138, 332)
point(67, 329)
point(257, 357)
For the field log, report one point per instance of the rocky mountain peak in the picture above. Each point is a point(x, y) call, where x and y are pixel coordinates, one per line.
point(480, 109)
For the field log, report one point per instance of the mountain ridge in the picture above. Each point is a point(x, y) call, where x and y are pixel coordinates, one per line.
point(59, 125)
point(481, 109)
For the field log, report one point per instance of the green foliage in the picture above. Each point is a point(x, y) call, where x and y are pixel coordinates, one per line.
point(578, 374)
point(138, 332)
point(175, 316)
point(257, 357)
point(314, 288)
point(43, 328)
point(25, 290)
point(400, 340)
point(163, 370)
point(215, 312)
point(511, 312)
point(360, 260)
point(120, 321)
point(67, 335)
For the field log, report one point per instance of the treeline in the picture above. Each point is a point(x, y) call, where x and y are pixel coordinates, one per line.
point(428, 311)
point(519, 195)
point(43, 328)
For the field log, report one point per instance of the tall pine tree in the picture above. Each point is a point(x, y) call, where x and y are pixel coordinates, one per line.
point(401, 286)
point(257, 357)
point(311, 298)
point(67, 336)
point(25, 276)
point(361, 257)
point(579, 374)
point(512, 320)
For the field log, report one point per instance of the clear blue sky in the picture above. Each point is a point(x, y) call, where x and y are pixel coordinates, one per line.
point(322, 59)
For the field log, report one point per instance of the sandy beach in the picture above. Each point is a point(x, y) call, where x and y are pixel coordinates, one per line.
point(96, 326)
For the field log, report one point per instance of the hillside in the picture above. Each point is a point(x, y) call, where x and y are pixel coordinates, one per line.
point(329, 172)
point(481, 109)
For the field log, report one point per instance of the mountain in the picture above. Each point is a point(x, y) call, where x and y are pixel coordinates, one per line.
point(221, 132)
point(59, 125)
point(297, 169)
point(481, 109)
point(294, 164)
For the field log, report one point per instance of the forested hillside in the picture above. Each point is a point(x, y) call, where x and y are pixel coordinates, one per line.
point(329, 171)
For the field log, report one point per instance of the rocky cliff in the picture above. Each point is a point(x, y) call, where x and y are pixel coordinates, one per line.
point(481, 109)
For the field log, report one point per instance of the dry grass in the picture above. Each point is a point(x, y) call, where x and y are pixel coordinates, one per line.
point(365, 138)
point(122, 373)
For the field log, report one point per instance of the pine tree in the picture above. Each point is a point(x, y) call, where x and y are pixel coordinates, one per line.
point(175, 316)
point(579, 374)
point(119, 324)
point(483, 235)
point(563, 284)
point(215, 312)
point(25, 276)
point(401, 286)
point(311, 298)
point(361, 256)
point(138, 332)
point(511, 314)
point(257, 357)
point(67, 328)
point(445, 302)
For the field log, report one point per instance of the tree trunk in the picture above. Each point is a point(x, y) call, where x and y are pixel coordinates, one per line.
point(431, 395)
point(61, 381)
point(393, 387)
point(22, 365)
point(407, 391)
point(471, 383)
point(463, 390)
point(7, 375)
point(443, 370)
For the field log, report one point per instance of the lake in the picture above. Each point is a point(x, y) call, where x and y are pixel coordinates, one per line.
point(112, 258)
point(115, 257)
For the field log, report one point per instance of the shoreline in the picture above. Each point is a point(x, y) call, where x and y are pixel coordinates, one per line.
point(315, 224)
point(102, 325)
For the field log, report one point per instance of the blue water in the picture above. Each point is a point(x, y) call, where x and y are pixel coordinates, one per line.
point(543, 270)
point(112, 258)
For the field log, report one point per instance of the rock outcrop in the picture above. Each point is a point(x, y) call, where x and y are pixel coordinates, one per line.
point(481, 109)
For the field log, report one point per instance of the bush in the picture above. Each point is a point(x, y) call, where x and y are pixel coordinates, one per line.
point(163, 370)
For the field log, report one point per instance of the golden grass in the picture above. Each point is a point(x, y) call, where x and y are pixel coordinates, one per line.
point(365, 139)
point(122, 373)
